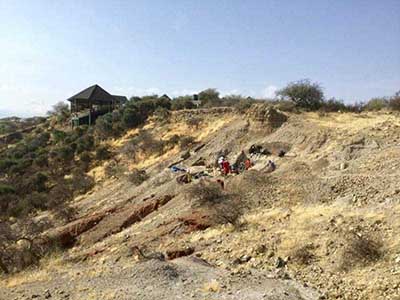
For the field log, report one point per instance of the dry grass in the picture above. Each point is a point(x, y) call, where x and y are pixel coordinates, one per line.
point(49, 264)
point(204, 194)
point(360, 250)
point(303, 254)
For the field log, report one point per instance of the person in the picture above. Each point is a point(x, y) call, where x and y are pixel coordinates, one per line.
point(247, 164)
point(220, 161)
point(226, 167)
point(270, 166)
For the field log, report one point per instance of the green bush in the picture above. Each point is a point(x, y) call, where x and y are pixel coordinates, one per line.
point(193, 122)
point(65, 153)
point(102, 153)
point(104, 126)
point(186, 142)
point(39, 182)
point(84, 143)
point(210, 98)
point(132, 117)
point(21, 166)
point(333, 105)
point(37, 200)
point(148, 144)
point(394, 102)
point(6, 163)
point(58, 135)
point(6, 189)
point(286, 106)
point(41, 160)
point(243, 105)
point(137, 177)
point(174, 140)
point(182, 102)
point(162, 114)
point(376, 104)
point(304, 94)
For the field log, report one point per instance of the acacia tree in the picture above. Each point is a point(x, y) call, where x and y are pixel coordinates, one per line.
point(304, 94)
point(209, 98)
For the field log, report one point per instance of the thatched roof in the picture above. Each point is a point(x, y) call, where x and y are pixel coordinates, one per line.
point(97, 95)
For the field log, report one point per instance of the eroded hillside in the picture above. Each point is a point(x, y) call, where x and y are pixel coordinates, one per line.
point(324, 225)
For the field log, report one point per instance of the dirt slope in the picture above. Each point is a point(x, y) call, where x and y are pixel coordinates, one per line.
point(326, 218)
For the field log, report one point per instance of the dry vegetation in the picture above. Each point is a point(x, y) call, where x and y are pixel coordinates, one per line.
point(328, 216)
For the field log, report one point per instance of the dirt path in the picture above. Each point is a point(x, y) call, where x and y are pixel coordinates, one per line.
point(184, 278)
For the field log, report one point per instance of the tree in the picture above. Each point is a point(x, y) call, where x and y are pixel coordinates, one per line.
point(209, 98)
point(61, 110)
point(182, 102)
point(304, 94)
point(394, 102)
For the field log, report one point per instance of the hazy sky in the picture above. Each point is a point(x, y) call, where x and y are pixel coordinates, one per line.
point(50, 50)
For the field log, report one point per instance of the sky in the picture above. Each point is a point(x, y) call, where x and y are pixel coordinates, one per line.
point(50, 50)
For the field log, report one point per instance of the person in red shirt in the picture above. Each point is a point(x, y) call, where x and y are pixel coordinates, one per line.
point(226, 167)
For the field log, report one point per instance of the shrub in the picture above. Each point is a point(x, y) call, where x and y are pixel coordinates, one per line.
point(243, 105)
point(39, 182)
point(80, 182)
point(394, 102)
point(186, 142)
point(41, 160)
point(202, 193)
point(162, 102)
point(21, 166)
point(61, 110)
point(356, 107)
point(174, 140)
point(209, 98)
point(285, 105)
point(304, 94)
point(137, 177)
point(6, 189)
point(182, 102)
point(333, 105)
point(376, 104)
point(5, 164)
point(85, 157)
point(114, 169)
point(162, 114)
point(37, 200)
point(102, 153)
point(65, 153)
point(193, 122)
point(84, 143)
point(360, 250)
point(148, 144)
point(131, 116)
point(21, 208)
point(302, 255)
point(104, 126)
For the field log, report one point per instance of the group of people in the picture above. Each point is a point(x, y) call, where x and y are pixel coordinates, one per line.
point(241, 164)
point(236, 168)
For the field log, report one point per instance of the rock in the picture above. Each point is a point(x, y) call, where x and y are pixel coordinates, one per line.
point(267, 115)
point(343, 166)
point(47, 294)
point(245, 258)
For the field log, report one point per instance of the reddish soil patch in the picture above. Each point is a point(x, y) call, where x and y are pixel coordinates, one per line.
point(175, 253)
